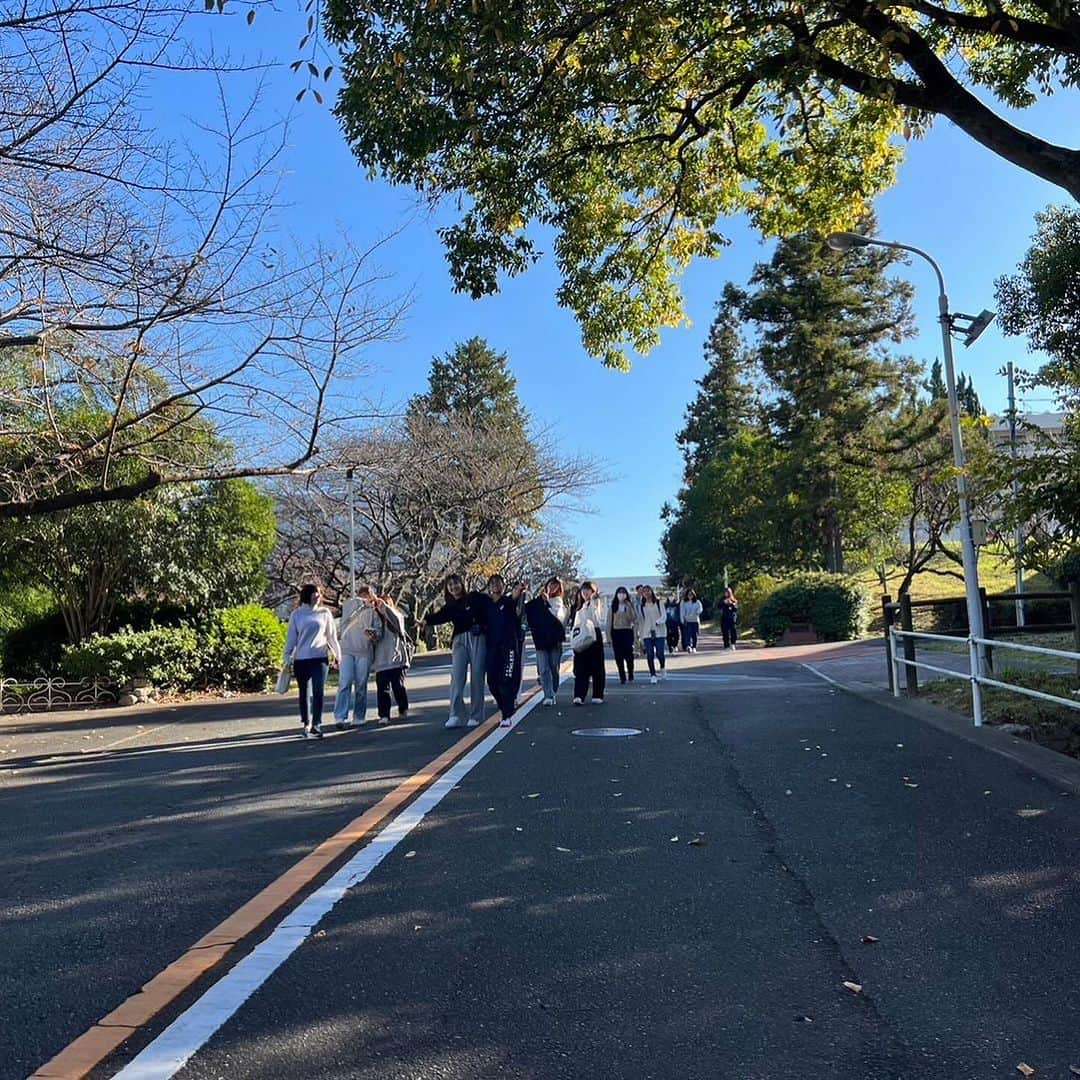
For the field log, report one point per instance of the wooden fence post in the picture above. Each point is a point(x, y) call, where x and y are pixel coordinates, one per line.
point(911, 674)
point(886, 618)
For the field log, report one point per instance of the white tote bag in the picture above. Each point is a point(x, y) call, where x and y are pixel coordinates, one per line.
point(583, 635)
point(284, 677)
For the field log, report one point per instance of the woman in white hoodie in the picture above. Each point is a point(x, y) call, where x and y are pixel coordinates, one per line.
point(360, 628)
point(652, 630)
point(589, 616)
point(690, 610)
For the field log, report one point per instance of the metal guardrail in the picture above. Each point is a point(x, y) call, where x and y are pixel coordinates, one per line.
point(974, 674)
point(41, 695)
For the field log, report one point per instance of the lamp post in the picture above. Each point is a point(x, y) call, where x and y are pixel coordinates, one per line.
point(352, 533)
point(845, 241)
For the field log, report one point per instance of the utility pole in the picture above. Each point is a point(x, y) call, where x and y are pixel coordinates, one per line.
point(352, 533)
point(1019, 538)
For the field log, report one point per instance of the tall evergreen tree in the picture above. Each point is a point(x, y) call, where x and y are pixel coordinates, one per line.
point(825, 328)
point(726, 401)
point(471, 381)
point(934, 383)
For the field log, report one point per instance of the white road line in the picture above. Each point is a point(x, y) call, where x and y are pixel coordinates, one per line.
point(822, 675)
point(182, 1039)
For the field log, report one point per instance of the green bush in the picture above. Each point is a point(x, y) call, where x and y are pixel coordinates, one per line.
point(35, 648)
point(168, 656)
point(752, 593)
point(832, 602)
point(241, 648)
point(234, 648)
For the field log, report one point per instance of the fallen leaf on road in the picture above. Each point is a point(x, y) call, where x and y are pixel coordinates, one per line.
point(534, 795)
point(899, 746)
point(788, 792)
point(1027, 811)
point(491, 809)
point(1075, 1070)
point(804, 1019)
point(847, 785)
point(616, 794)
point(833, 779)
point(854, 987)
point(674, 840)
point(1025, 1068)
point(566, 849)
point(410, 854)
point(697, 841)
point(824, 755)
point(418, 928)
point(986, 792)
point(910, 784)
point(869, 939)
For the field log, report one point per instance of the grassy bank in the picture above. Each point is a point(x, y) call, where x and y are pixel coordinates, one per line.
point(1055, 726)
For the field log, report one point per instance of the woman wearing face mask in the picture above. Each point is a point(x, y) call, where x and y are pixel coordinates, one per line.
point(622, 621)
point(468, 650)
point(589, 618)
point(546, 616)
point(504, 643)
point(361, 627)
point(311, 643)
point(652, 630)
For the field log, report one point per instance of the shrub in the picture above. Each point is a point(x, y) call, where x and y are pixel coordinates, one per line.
point(35, 648)
point(832, 602)
point(241, 648)
point(752, 593)
point(167, 656)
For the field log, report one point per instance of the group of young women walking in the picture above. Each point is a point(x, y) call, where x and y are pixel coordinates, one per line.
point(486, 646)
point(372, 638)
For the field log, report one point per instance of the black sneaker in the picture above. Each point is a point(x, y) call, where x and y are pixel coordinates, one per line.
point(316, 731)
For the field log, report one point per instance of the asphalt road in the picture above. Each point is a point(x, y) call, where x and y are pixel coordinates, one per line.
point(550, 918)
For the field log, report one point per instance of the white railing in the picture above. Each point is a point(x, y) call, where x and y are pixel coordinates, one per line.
point(974, 674)
point(40, 695)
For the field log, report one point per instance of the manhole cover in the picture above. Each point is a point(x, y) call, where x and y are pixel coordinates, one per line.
point(607, 732)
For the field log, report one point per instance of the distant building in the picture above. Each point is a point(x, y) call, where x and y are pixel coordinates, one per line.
point(1053, 423)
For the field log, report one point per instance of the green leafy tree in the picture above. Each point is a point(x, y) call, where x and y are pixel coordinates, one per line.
point(825, 330)
point(733, 513)
point(934, 384)
point(630, 130)
point(1041, 301)
point(726, 402)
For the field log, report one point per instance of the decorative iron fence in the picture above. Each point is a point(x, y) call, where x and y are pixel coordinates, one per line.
point(41, 695)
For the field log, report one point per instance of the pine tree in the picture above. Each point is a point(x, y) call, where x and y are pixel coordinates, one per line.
point(472, 380)
point(935, 383)
point(967, 397)
point(825, 326)
point(726, 401)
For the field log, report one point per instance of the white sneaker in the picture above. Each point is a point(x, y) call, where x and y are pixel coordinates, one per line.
point(473, 723)
point(598, 701)
point(653, 679)
point(578, 701)
point(663, 674)
point(454, 722)
point(549, 701)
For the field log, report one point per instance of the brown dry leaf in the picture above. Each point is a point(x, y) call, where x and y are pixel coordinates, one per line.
point(1025, 1068)
point(854, 987)
point(869, 939)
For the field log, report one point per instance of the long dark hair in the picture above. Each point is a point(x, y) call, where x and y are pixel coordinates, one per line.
point(308, 594)
point(447, 594)
point(578, 602)
point(615, 599)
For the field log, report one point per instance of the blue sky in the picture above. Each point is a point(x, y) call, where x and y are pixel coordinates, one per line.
point(967, 207)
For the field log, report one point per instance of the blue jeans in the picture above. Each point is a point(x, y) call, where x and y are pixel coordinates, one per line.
point(690, 632)
point(311, 676)
point(547, 667)
point(654, 650)
point(352, 687)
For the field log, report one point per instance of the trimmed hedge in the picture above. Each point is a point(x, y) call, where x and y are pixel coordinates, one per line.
point(242, 648)
point(167, 656)
point(234, 648)
point(752, 593)
point(832, 602)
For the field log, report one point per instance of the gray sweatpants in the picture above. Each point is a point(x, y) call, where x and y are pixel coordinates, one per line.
point(547, 667)
point(468, 656)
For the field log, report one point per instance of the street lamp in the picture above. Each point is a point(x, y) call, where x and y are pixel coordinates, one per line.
point(975, 325)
